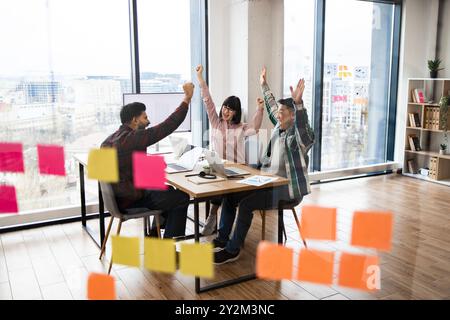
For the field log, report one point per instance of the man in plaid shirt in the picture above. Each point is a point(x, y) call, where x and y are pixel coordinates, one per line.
point(285, 155)
point(133, 136)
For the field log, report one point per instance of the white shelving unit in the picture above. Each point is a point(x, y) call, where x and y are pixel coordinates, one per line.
point(430, 139)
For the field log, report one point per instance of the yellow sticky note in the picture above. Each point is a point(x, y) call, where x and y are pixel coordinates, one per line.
point(103, 165)
point(159, 255)
point(196, 259)
point(125, 250)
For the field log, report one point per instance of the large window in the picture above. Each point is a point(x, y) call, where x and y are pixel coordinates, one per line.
point(164, 55)
point(64, 67)
point(299, 47)
point(346, 51)
point(356, 82)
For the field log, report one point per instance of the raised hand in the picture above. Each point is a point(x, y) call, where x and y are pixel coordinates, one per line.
point(297, 94)
point(260, 103)
point(262, 76)
point(188, 89)
point(199, 71)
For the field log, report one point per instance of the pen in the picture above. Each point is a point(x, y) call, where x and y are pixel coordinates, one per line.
point(191, 175)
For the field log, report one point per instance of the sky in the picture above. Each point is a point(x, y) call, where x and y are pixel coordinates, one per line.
point(92, 36)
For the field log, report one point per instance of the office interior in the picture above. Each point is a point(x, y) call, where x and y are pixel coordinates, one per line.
point(66, 68)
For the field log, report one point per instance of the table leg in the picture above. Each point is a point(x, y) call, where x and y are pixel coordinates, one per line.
point(82, 196)
point(197, 239)
point(280, 224)
point(101, 213)
point(207, 208)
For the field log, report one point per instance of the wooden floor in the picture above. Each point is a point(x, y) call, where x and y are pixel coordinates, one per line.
point(54, 262)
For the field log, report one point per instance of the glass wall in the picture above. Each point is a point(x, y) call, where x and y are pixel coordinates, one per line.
point(299, 47)
point(356, 83)
point(165, 55)
point(64, 67)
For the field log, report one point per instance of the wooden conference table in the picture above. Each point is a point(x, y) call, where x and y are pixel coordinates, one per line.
point(198, 193)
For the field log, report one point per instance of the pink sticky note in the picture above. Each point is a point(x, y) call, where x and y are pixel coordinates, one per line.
point(8, 202)
point(149, 171)
point(11, 157)
point(51, 159)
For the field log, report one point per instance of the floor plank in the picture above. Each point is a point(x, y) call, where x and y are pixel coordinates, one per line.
point(54, 262)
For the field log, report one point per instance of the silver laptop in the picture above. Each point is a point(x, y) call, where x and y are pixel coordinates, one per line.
point(217, 166)
point(187, 161)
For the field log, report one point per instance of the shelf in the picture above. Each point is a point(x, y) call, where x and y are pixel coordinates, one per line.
point(445, 182)
point(424, 104)
point(430, 153)
point(424, 129)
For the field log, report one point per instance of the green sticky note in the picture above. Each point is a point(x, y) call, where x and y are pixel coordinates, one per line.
point(103, 165)
point(125, 250)
point(159, 255)
point(196, 259)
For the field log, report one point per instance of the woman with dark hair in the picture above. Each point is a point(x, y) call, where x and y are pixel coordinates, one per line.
point(228, 133)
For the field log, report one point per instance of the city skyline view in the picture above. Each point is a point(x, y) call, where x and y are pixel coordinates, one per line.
point(59, 94)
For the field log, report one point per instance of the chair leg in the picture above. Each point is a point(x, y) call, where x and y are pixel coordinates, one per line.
point(118, 233)
point(299, 227)
point(102, 251)
point(263, 222)
point(158, 226)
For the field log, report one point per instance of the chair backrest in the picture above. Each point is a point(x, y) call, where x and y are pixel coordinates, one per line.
point(253, 150)
point(110, 200)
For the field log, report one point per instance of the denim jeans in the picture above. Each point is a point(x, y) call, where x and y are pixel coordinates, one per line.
point(248, 202)
point(174, 204)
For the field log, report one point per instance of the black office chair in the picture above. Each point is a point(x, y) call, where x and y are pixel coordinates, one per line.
point(283, 205)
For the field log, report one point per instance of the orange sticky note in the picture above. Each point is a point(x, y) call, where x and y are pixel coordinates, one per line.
point(359, 272)
point(101, 287)
point(315, 266)
point(372, 229)
point(319, 223)
point(149, 171)
point(273, 261)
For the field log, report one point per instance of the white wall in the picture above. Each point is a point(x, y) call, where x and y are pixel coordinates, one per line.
point(443, 50)
point(243, 37)
point(418, 44)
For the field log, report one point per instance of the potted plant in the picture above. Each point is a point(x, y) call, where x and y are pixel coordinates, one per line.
point(443, 148)
point(433, 66)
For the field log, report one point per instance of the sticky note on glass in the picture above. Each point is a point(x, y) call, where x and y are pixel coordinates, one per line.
point(8, 200)
point(103, 165)
point(11, 157)
point(315, 266)
point(125, 250)
point(318, 223)
point(101, 287)
point(359, 272)
point(51, 160)
point(149, 171)
point(273, 261)
point(159, 255)
point(372, 229)
point(196, 259)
